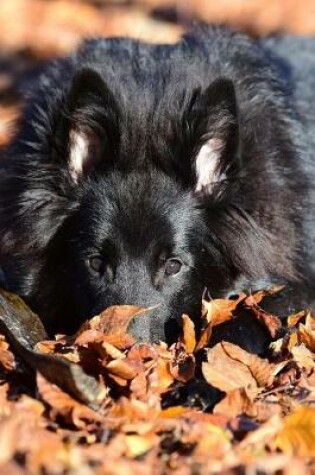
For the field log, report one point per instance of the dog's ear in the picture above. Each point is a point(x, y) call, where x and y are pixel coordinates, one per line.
point(215, 134)
point(87, 131)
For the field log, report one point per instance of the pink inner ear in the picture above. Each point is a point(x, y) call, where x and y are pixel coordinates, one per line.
point(84, 151)
point(208, 165)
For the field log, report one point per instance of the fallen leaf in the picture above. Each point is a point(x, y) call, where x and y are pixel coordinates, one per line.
point(204, 337)
point(295, 318)
point(188, 336)
point(261, 369)
point(303, 357)
point(224, 372)
point(256, 297)
point(7, 360)
point(306, 335)
point(164, 375)
point(174, 411)
point(138, 445)
point(220, 310)
point(121, 368)
point(182, 368)
point(74, 412)
point(113, 320)
point(271, 322)
point(297, 435)
point(235, 403)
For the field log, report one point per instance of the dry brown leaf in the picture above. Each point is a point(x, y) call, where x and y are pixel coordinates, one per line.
point(164, 375)
point(220, 310)
point(297, 435)
point(264, 434)
point(310, 321)
point(255, 298)
point(89, 336)
point(188, 337)
point(121, 369)
point(182, 368)
point(7, 360)
point(213, 440)
point(271, 322)
point(295, 318)
point(216, 311)
point(173, 412)
point(139, 386)
point(204, 337)
point(112, 351)
point(9, 431)
point(261, 369)
point(133, 410)
point(225, 373)
point(114, 320)
point(303, 357)
point(286, 343)
point(235, 403)
point(306, 334)
point(75, 412)
point(138, 445)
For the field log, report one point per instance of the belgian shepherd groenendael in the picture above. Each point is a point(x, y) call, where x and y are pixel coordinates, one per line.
point(146, 174)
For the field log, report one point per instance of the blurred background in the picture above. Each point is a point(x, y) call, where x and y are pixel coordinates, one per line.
point(34, 31)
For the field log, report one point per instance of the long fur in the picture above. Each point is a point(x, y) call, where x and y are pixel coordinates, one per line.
point(151, 116)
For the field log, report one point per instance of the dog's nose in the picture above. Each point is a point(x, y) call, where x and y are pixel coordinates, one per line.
point(140, 327)
point(154, 327)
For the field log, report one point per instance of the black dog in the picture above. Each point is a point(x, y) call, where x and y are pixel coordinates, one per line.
point(146, 174)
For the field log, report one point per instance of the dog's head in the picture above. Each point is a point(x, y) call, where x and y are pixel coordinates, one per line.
point(110, 205)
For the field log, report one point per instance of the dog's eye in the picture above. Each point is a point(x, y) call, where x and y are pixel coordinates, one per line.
point(172, 266)
point(97, 264)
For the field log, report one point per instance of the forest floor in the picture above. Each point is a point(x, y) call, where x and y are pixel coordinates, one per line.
point(97, 402)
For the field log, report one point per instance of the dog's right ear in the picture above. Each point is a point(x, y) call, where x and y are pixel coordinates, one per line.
point(87, 131)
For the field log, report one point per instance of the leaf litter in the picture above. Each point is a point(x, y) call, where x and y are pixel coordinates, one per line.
point(99, 402)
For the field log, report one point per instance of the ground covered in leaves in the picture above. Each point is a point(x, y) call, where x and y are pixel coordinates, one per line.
point(190, 408)
point(98, 402)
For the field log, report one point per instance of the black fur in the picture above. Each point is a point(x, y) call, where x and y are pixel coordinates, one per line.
point(147, 110)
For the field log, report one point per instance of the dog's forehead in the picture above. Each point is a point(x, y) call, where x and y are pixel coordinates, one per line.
point(139, 209)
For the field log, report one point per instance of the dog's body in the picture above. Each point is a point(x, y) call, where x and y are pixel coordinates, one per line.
point(144, 174)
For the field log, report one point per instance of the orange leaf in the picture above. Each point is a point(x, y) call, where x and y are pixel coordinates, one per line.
point(271, 322)
point(138, 386)
point(189, 337)
point(255, 298)
point(121, 368)
point(298, 433)
point(138, 444)
point(307, 336)
point(165, 378)
point(114, 320)
point(220, 310)
point(65, 405)
point(173, 412)
point(7, 359)
point(235, 403)
point(261, 369)
point(225, 373)
point(294, 319)
point(182, 367)
point(88, 336)
point(303, 357)
point(204, 337)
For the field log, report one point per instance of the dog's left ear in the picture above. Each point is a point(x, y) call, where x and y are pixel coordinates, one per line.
point(215, 130)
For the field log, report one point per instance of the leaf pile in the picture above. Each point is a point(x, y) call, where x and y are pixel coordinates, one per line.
point(191, 408)
point(33, 31)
